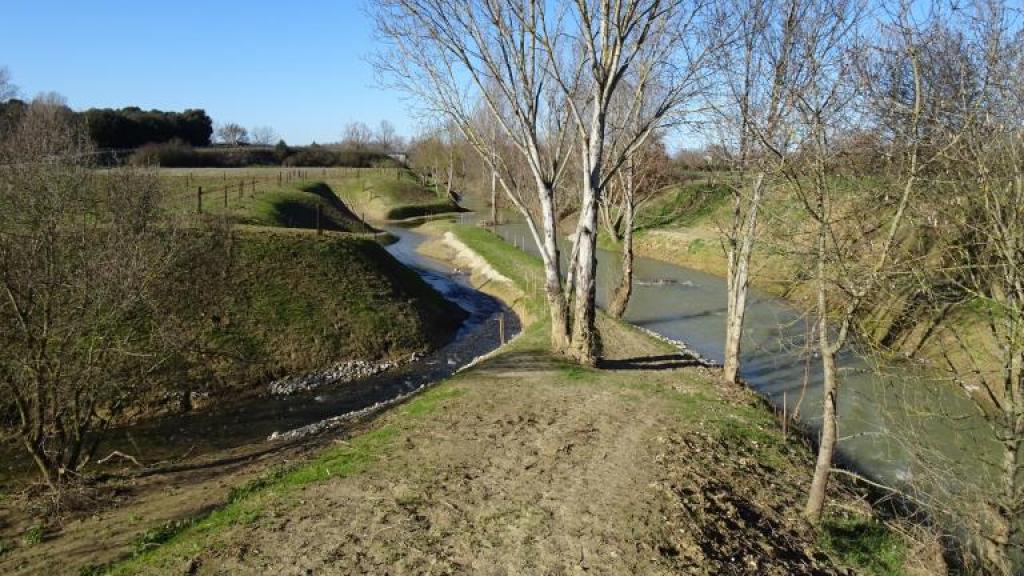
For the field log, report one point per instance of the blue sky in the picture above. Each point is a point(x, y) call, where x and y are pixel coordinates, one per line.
point(299, 67)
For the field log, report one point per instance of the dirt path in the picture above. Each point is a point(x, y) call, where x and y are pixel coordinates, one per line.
point(529, 466)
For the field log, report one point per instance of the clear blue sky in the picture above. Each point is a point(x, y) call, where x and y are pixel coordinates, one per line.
point(299, 67)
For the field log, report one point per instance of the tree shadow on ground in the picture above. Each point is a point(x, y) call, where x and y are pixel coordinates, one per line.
point(519, 362)
point(660, 362)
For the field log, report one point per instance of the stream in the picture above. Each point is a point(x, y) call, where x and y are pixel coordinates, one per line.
point(898, 424)
point(253, 420)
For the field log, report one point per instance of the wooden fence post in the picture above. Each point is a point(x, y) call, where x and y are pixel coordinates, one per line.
point(319, 213)
point(225, 196)
point(501, 327)
point(199, 200)
point(785, 417)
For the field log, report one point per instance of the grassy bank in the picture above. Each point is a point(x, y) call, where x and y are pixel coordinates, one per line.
point(298, 302)
point(530, 465)
point(395, 195)
point(371, 193)
point(295, 301)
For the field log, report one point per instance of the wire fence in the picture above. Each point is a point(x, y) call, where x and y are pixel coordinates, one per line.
point(210, 189)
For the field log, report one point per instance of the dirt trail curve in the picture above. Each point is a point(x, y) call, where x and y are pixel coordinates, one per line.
point(530, 466)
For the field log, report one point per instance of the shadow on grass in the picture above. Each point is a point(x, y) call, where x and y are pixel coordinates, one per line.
point(525, 361)
point(661, 362)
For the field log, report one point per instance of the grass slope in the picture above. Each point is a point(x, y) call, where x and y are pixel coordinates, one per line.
point(296, 207)
point(300, 302)
point(395, 195)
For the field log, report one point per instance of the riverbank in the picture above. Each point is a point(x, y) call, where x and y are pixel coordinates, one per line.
point(525, 464)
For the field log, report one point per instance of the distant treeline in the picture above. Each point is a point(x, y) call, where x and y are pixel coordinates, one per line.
point(183, 140)
point(178, 154)
point(132, 127)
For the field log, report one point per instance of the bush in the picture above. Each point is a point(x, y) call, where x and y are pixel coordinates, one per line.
point(171, 154)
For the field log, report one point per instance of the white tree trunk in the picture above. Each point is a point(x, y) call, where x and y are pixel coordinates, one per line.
point(624, 291)
point(494, 197)
point(552, 272)
point(739, 280)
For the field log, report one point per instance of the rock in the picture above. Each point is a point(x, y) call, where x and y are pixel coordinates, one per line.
point(337, 374)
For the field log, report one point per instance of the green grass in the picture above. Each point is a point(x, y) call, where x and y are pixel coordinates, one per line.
point(865, 544)
point(421, 210)
point(299, 302)
point(683, 206)
point(383, 193)
point(524, 270)
point(296, 207)
point(395, 195)
point(303, 302)
point(576, 373)
point(32, 536)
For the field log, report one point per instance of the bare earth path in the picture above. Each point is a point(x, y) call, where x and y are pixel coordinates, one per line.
point(524, 465)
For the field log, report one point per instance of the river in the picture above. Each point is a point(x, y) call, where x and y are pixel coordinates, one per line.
point(899, 424)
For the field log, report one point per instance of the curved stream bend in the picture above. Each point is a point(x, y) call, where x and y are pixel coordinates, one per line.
point(254, 420)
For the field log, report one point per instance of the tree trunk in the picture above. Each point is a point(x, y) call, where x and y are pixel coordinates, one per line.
point(1009, 541)
point(451, 176)
point(586, 345)
point(552, 272)
point(738, 283)
point(46, 467)
point(494, 198)
point(827, 445)
point(625, 289)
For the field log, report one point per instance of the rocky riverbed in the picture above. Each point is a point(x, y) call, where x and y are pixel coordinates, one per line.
point(340, 373)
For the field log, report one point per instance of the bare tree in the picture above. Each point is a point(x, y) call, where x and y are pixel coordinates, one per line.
point(386, 137)
point(756, 75)
point(654, 52)
point(233, 134)
point(81, 257)
point(454, 56)
point(643, 175)
point(851, 259)
point(7, 89)
point(263, 136)
point(968, 65)
point(357, 135)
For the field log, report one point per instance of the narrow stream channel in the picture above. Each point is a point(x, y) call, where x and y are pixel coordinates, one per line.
point(253, 420)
